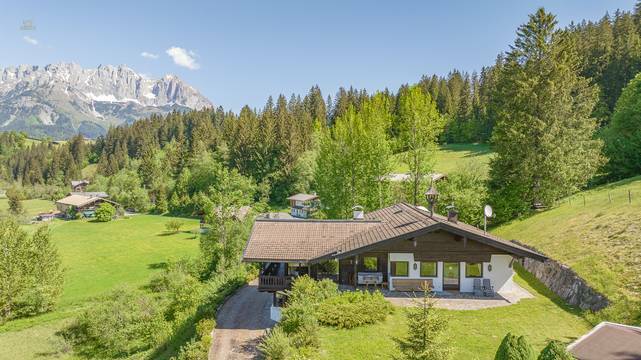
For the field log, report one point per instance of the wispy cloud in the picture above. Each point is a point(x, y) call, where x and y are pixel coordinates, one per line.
point(148, 55)
point(30, 40)
point(183, 57)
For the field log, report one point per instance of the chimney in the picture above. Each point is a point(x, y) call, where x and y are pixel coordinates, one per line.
point(357, 213)
point(452, 214)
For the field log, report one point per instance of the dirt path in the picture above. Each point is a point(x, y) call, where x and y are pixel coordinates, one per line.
point(240, 322)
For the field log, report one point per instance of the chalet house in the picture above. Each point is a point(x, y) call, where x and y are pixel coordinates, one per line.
point(79, 185)
point(303, 205)
point(399, 247)
point(86, 205)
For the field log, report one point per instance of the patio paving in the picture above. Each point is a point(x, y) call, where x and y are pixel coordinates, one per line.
point(454, 300)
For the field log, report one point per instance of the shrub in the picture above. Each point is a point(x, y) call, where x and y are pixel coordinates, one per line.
point(182, 291)
point(309, 291)
point(276, 345)
point(119, 324)
point(174, 225)
point(198, 347)
point(31, 275)
point(15, 196)
point(514, 348)
point(353, 309)
point(105, 212)
point(555, 351)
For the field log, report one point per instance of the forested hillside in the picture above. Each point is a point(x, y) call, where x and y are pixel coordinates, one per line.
point(280, 146)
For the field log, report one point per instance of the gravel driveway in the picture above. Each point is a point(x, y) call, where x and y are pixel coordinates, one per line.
point(240, 323)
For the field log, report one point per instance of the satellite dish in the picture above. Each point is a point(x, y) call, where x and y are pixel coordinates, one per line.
point(487, 210)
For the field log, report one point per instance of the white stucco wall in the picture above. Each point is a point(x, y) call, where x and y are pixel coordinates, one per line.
point(437, 282)
point(500, 275)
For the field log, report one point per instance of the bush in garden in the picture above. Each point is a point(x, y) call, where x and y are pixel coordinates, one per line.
point(514, 348)
point(182, 291)
point(105, 212)
point(309, 291)
point(119, 324)
point(352, 309)
point(555, 351)
point(276, 345)
point(198, 347)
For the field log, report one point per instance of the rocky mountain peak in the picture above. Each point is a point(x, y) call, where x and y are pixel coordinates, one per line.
point(39, 100)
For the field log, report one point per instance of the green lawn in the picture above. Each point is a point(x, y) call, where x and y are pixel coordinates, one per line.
point(97, 257)
point(474, 334)
point(600, 239)
point(452, 156)
point(32, 207)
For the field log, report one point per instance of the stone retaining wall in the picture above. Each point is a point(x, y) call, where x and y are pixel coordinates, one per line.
point(564, 282)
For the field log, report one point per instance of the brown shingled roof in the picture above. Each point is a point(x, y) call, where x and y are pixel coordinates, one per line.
point(608, 341)
point(291, 240)
point(316, 240)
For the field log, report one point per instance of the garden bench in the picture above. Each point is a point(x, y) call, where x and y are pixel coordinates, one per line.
point(411, 284)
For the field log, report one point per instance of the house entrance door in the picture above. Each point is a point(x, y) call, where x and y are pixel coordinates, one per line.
point(451, 274)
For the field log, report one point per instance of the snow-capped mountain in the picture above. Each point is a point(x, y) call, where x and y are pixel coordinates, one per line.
point(60, 100)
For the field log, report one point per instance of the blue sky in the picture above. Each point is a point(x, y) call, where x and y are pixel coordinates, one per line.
point(240, 52)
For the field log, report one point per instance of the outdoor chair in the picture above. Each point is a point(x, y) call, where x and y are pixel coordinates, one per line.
point(478, 289)
point(488, 289)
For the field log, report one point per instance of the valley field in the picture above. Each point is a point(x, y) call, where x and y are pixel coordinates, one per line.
point(451, 157)
point(97, 257)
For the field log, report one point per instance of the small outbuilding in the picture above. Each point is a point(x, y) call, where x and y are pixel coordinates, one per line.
point(79, 185)
point(608, 341)
point(303, 205)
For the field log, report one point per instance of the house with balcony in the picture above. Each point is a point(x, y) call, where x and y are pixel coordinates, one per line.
point(303, 205)
point(401, 247)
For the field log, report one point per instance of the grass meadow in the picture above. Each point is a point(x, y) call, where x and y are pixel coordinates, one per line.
point(97, 257)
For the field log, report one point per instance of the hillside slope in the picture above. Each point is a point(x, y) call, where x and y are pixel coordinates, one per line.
point(597, 233)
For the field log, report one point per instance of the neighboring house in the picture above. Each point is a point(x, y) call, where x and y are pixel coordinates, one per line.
point(303, 205)
point(79, 185)
point(399, 177)
point(400, 247)
point(86, 205)
point(608, 341)
point(99, 194)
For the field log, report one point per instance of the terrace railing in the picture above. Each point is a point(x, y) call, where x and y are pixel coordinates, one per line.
point(271, 283)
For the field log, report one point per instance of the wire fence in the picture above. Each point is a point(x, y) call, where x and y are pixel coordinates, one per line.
point(614, 197)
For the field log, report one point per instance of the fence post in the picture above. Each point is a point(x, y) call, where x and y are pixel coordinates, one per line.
point(629, 196)
point(583, 200)
point(610, 197)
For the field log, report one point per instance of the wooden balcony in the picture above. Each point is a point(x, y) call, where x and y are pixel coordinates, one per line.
point(271, 283)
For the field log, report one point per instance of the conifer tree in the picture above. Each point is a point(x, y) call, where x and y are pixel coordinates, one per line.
point(425, 339)
point(544, 135)
point(514, 348)
point(554, 350)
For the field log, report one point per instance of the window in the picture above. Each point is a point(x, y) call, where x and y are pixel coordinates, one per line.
point(370, 263)
point(400, 268)
point(428, 269)
point(474, 270)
